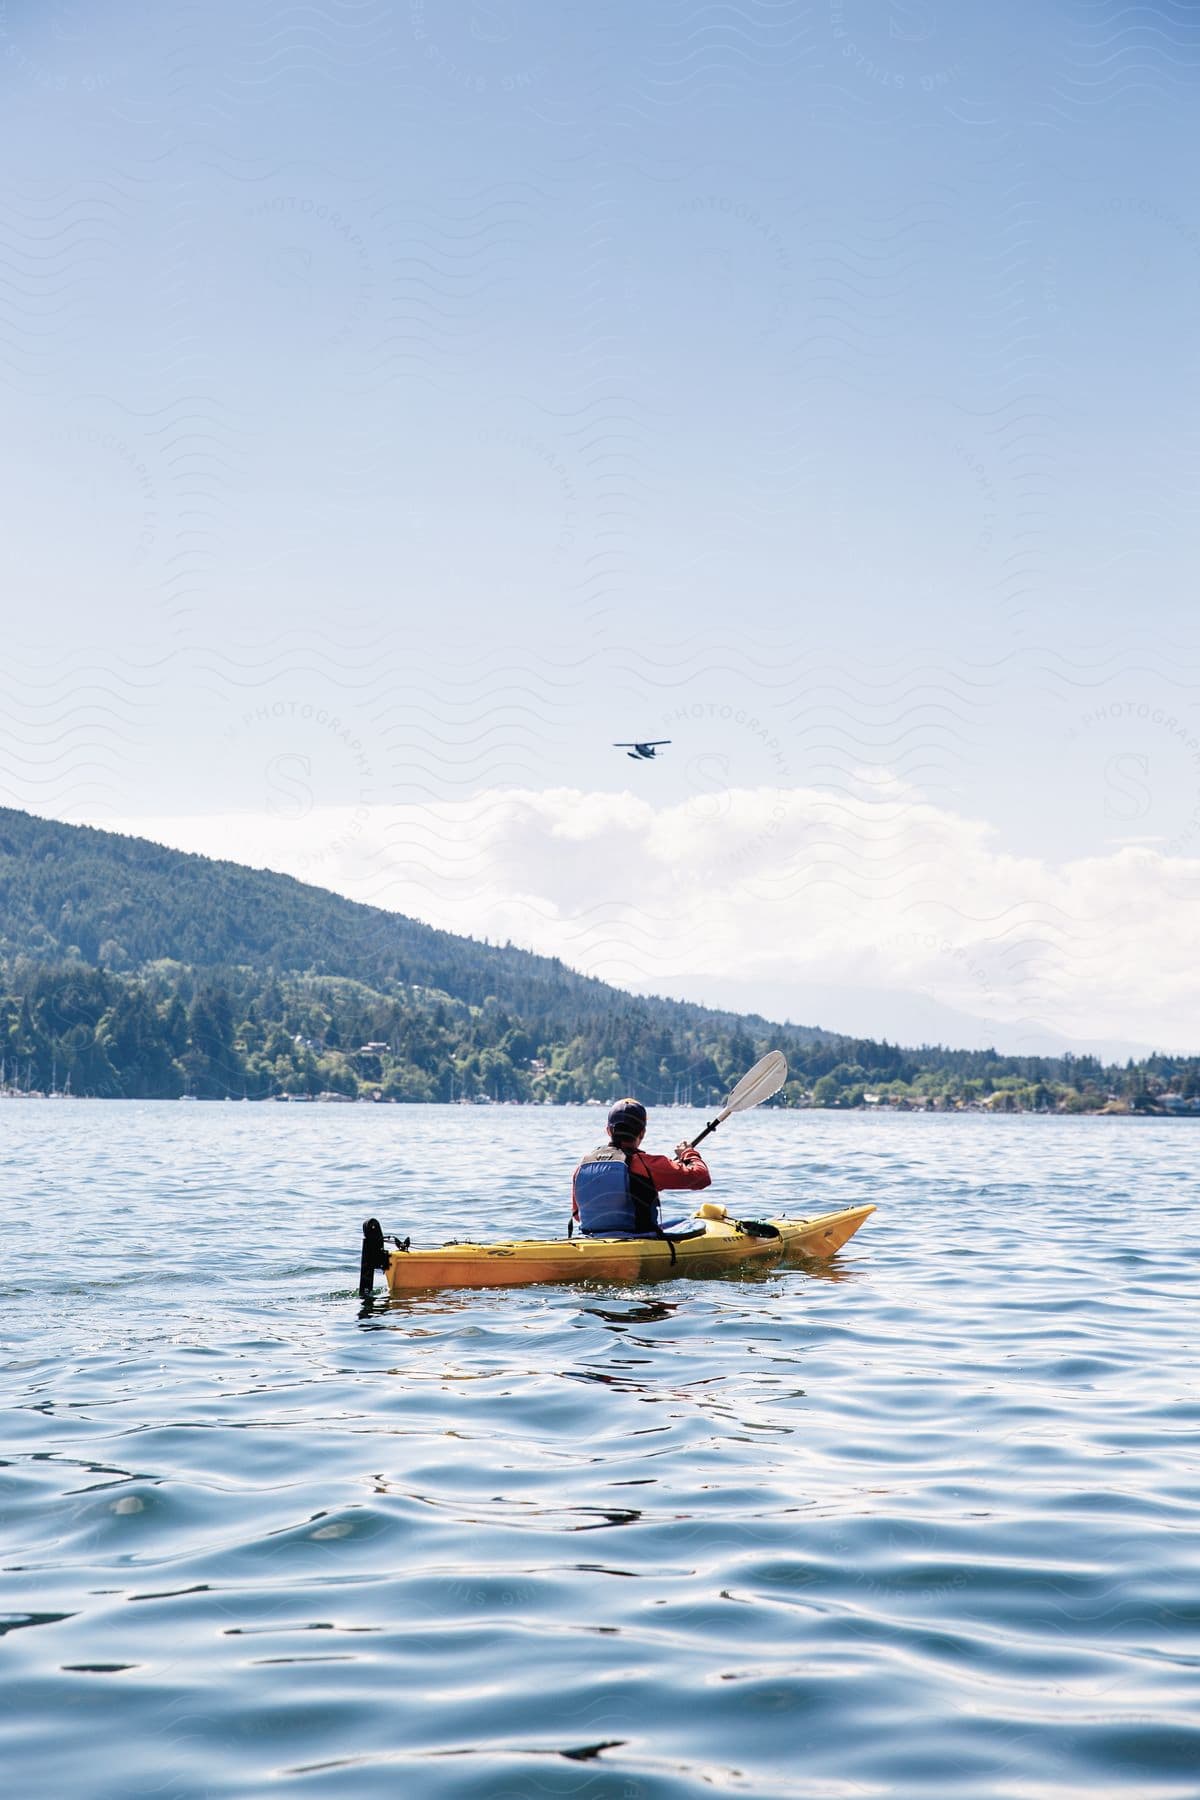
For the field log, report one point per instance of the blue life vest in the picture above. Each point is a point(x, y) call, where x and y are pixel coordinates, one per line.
point(612, 1198)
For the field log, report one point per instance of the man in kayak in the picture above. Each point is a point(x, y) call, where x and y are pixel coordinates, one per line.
point(614, 1191)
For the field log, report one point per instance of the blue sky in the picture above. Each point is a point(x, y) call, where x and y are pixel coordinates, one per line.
point(814, 385)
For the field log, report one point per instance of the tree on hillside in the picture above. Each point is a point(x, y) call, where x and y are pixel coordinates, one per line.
point(211, 1063)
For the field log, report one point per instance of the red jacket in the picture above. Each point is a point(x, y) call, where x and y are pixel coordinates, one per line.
point(686, 1171)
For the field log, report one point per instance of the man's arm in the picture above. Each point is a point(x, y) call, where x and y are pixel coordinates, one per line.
point(686, 1169)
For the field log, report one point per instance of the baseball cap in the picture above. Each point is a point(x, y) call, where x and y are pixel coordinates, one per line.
point(627, 1119)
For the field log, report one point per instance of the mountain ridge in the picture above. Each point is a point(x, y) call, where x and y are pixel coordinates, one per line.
point(135, 969)
point(391, 960)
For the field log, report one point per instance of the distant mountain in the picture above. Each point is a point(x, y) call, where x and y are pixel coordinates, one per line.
point(910, 1017)
point(71, 892)
point(71, 895)
point(131, 969)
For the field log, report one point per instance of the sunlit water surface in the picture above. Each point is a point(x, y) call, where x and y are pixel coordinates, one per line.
point(923, 1525)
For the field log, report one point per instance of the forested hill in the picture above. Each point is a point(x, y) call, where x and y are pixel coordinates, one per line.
point(133, 970)
point(95, 926)
point(69, 892)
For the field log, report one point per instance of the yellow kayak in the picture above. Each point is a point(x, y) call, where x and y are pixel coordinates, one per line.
point(716, 1242)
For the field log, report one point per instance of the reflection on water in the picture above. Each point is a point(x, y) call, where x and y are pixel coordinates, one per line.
point(846, 1266)
point(920, 1521)
point(650, 1312)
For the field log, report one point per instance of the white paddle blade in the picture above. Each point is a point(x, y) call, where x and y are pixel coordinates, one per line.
point(765, 1078)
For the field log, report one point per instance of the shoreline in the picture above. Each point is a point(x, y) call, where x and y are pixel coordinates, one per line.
point(941, 1112)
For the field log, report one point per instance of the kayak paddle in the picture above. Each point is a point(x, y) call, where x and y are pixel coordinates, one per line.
point(765, 1078)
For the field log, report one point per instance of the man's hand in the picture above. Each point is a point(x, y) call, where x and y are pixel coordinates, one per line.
point(681, 1151)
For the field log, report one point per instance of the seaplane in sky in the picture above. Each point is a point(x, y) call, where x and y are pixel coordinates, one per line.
point(644, 752)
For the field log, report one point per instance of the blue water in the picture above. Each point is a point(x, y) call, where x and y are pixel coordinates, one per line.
point(924, 1525)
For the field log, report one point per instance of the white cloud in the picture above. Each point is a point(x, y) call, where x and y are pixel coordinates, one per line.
point(777, 889)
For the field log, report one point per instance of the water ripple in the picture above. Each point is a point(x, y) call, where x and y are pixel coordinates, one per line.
point(922, 1522)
